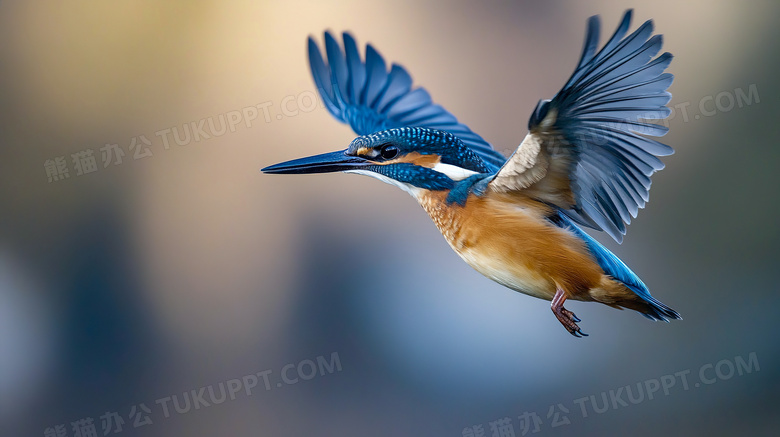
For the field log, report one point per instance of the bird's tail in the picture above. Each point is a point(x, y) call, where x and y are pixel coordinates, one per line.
point(622, 288)
point(617, 294)
point(654, 309)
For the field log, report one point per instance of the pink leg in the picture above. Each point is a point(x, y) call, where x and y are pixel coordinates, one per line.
point(566, 317)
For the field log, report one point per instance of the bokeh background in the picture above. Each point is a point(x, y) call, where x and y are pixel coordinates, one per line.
point(183, 267)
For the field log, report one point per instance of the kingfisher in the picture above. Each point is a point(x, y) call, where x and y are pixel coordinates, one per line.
point(585, 162)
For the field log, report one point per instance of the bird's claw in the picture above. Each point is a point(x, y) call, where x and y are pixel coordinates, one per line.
point(566, 317)
point(578, 333)
point(569, 321)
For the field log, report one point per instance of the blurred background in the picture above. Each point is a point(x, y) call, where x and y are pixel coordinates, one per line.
point(144, 258)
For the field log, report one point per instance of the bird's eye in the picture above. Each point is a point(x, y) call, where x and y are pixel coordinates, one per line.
point(389, 152)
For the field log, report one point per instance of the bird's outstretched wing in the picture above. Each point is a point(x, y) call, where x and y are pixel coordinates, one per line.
point(584, 153)
point(369, 98)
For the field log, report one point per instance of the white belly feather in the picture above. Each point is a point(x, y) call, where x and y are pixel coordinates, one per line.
point(516, 277)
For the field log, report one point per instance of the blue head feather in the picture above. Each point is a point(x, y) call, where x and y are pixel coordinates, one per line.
point(424, 141)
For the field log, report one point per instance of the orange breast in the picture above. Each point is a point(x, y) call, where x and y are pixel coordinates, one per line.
point(506, 238)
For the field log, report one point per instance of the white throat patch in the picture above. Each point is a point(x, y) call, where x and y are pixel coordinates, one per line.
point(409, 188)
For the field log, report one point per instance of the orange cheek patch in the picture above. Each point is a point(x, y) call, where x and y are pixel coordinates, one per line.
point(418, 159)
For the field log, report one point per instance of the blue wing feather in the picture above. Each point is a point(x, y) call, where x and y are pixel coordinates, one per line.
point(337, 64)
point(365, 95)
point(398, 83)
point(600, 112)
point(322, 79)
point(356, 69)
point(376, 76)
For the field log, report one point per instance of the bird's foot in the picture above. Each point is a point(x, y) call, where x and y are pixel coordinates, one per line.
point(567, 318)
point(569, 321)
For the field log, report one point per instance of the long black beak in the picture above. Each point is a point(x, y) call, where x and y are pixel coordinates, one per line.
point(324, 163)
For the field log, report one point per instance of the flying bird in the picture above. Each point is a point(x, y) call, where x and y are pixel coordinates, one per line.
point(586, 162)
